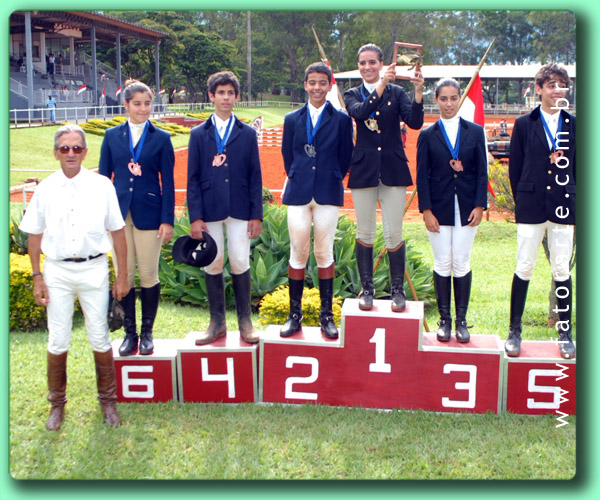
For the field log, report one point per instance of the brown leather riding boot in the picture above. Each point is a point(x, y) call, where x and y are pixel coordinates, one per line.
point(57, 389)
point(107, 386)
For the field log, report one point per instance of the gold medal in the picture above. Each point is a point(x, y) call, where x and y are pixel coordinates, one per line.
point(371, 124)
point(218, 160)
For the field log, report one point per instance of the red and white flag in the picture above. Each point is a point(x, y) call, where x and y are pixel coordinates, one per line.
point(103, 91)
point(81, 89)
point(527, 90)
point(118, 91)
point(162, 91)
point(472, 110)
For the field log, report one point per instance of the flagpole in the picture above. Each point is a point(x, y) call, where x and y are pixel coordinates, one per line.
point(479, 66)
point(324, 59)
point(414, 192)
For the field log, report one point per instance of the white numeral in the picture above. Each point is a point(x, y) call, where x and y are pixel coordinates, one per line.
point(557, 392)
point(314, 375)
point(470, 386)
point(128, 382)
point(380, 366)
point(220, 377)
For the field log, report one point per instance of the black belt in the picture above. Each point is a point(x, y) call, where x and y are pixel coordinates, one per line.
point(82, 259)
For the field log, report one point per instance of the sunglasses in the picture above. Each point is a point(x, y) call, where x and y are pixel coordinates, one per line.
point(76, 149)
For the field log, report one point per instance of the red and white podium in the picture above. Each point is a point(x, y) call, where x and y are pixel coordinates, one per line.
point(539, 381)
point(147, 379)
point(382, 360)
point(222, 372)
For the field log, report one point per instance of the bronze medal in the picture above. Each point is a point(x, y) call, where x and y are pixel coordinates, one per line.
point(555, 155)
point(456, 165)
point(218, 160)
point(135, 168)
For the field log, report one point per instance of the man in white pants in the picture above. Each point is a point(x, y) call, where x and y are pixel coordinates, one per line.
point(68, 220)
point(542, 177)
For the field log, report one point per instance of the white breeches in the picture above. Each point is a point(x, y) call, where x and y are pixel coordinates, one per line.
point(324, 218)
point(560, 244)
point(238, 245)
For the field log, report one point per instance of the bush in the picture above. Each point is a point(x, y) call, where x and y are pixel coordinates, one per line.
point(498, 175)
point(18, 239)
point(269, 263)
point(24, 313)
point(275, 307)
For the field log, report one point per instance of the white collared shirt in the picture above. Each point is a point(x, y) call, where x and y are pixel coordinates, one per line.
point(221, 124)
point(552, 122)
point(137, 129)
point(371, 86)
point(73, 215)
point(315, 112)
point(451, 127)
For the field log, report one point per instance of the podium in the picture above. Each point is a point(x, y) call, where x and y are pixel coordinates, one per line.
point(382, 360)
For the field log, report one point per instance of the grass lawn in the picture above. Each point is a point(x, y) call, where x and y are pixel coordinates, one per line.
point(192, 441)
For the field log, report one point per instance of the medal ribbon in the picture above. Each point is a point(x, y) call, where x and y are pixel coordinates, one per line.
point(310, 131)
point(364, 98)
point(221, 142)
point(453, 150)
point(135, 153)
point(547, 129)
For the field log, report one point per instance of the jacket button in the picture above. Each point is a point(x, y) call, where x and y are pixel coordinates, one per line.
point(377, 113)
point(130, 189)
point(548, 188)
point(131, 179)
point(314, 167)
point(455, 176)
point(550, 171)
point(226, 164)
point(379, 148)
point(226, 180)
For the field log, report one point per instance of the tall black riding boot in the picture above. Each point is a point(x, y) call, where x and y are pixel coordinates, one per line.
point(364, 260)
point(150, 297)
point(564, 302)
point(326, 293)
point(217, 327)
point(443, 288)
point(130, 343)
point(462, 294)
point(518, 295)
point(241, 290)
point(397, 260)
point(296, 287)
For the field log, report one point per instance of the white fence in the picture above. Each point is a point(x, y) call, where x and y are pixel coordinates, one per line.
point(42, 116)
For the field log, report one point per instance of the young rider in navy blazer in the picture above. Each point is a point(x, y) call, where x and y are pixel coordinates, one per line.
point(139, 158)
point(317, 148)
point(224, 190)
point(542, 178)
point(452, 186)
point(379, 167)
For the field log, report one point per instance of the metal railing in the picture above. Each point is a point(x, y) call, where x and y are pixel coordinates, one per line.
point(42, 116)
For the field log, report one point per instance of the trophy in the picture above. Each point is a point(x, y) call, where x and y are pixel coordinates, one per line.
point(407, 56)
